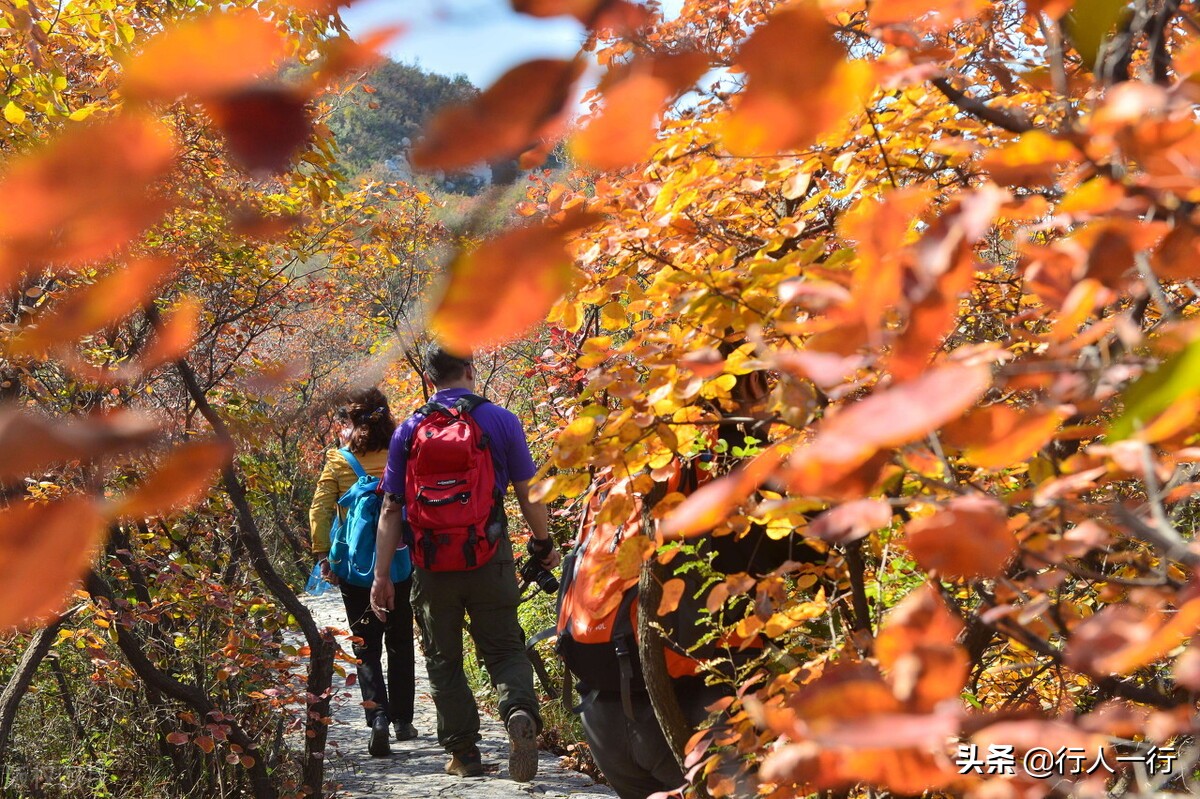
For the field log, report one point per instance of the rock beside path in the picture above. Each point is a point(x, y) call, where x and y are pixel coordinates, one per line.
point(415, 768)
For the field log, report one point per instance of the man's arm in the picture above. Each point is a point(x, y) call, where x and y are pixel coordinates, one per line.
point(537, 519)
point(387, 539)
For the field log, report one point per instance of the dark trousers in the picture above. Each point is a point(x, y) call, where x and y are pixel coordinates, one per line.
point(632, 753)
point(393, 696)
point(488, 597)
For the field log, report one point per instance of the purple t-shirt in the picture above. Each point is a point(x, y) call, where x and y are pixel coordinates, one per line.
point(506, 437)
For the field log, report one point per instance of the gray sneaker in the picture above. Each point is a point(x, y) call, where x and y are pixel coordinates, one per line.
point(522, 742)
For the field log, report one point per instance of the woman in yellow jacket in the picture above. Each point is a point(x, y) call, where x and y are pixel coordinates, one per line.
point(367, 427)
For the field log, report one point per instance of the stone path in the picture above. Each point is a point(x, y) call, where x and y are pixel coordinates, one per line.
point(415, 768)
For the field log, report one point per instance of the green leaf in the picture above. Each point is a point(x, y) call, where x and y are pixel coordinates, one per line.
point(1089, 23)
point(1178, 376)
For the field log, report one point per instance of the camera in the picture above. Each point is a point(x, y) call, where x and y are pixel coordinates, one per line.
point(532, 571)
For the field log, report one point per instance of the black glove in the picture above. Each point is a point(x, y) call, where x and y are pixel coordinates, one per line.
point(539, 548)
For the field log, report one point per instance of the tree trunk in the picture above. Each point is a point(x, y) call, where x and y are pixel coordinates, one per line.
point(651, 651)
point(14, 691)
point(320, 642)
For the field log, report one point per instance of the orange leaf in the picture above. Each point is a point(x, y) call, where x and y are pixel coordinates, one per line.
point(186, 474)
point(624, 133)
point(672, 592)
point(851, 521)
point(91, 308)
point(998, 436)
point(32, 441)
point(631, 554)
point(204, 742)
point(625, 130)
point(223, 51)
point(967, 538)
point(1121, 639)
point(63, 203)
point(582, 10)
point(799, 83)
point(520, 108)
point(174, 336)
point(712, 502)
point(917, 647)
point(1034, 159)
point(507, 284)
point(178, 738)
point(43, 549)
point(888, 418)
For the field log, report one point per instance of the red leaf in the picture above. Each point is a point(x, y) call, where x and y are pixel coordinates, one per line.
point(178, 738)
point(918, 648)
point(264, 127)
point(32, 441)
point(520, 108)
point(506, 285)
point(43, 549)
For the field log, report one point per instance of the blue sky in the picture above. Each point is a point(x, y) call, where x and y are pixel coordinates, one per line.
point(478, 38)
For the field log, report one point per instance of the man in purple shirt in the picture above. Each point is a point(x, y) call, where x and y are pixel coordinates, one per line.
point(487, 595)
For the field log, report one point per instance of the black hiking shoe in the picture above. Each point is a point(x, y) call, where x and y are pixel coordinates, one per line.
point(466, 763)
point(404, 732)
point(522, 743)
point(379, 746)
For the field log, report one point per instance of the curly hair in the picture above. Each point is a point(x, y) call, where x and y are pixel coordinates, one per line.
point(367, 410)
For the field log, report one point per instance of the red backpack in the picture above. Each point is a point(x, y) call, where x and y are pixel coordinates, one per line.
point(455, 511)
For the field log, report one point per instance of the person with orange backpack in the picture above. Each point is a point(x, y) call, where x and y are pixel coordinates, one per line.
point(597, 619)
point(449, 467)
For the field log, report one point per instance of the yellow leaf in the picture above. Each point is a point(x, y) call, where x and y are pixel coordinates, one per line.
point(630, 556)
point(14, 113)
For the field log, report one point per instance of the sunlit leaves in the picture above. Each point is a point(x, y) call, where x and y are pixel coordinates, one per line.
point(521, 107)
point(1175, 379)
point(525, 270)
point(43, 548)
point(923, 13)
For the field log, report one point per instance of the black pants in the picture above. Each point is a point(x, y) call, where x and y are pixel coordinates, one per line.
point(632, 753)
point(392, 697)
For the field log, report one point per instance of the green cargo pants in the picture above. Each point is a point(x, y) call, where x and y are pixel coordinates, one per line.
point(488, 597)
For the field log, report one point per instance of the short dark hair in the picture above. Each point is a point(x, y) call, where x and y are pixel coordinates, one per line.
point(367, 410)
point(441, 366)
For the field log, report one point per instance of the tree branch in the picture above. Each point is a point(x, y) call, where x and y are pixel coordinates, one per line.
point(981, 110)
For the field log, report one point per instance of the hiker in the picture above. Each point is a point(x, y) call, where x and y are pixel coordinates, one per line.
point(598, 612)
point(365, 428)
point(449, 467)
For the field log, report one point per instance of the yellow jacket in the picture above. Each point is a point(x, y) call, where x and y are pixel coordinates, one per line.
point(336, 478)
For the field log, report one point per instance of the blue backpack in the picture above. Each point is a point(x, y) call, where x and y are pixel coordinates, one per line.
point(352, 541)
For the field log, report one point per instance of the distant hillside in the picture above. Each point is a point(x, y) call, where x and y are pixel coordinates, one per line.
point(371, 126)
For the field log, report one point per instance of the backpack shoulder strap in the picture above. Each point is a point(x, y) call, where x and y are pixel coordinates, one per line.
point(359, 471)
point(469, 402)
point(431, 407)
